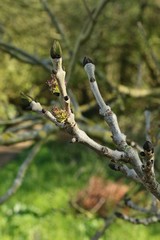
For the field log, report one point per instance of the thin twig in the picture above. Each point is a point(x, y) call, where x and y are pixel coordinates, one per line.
point(87, 9)
point(19, 120)
point(9, 138)
point(21, 173)
point(147, 114)
point(55, 22)
point(144, 221)
point(85, 34)
point(129, 203)
point(107, 224)
point(21, 54)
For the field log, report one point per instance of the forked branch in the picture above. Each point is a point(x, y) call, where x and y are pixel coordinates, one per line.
point(124, 157)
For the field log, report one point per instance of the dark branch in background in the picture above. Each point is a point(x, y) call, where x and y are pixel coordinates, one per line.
point(13, 136)
point(85, 34)
point(19, 120)
point(110, 220)
point(87, 9)
point(129, 203)
point(21, 173)
point(23, 56)
point(138, 93)
point(150, 57)
point(144, 221)
point(55, 22)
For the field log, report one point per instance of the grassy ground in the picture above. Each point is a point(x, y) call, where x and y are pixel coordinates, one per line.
point(40, 210)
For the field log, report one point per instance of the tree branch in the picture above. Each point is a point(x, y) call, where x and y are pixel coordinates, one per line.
point(23, 56)
point(21, 173)
point(144, 221)
point(110, 220)
point(55, 22)
point(142, 169)
point(85, 34)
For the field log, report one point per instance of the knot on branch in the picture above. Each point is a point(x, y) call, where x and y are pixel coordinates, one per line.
point(86, 60)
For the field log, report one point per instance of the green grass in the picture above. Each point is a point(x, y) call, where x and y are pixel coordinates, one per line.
point(40, 210)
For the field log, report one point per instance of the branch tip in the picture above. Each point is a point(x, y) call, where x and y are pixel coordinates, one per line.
point(86, 60)
point(148, 146)
point(26, 97)
point(26, 100)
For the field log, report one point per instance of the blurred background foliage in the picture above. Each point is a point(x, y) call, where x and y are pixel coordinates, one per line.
point(125, 47)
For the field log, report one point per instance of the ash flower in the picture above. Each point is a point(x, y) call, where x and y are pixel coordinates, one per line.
point(60, 114)
point(53, 85)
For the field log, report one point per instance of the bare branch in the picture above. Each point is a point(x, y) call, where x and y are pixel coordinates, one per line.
point(138, 93)
point(144, 221)
point(144, 171)
point(156, 67)
point(85, 34)
point(23, 56)
point(55, 22)
point(129, 203)
point(11, 137)
point(87, 9)
point(110, 220)
point(128, 172)
point(19, 120)
point(141, 170)
point(21, 173)
point(147, 115)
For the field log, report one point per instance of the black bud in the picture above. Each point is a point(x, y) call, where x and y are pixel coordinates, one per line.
point(92, 79)
point(126, 200)
point(66, 98)
point(57, 94)
point(112, 166)
point(43, 111)
point(137, 220)
point(86, 60)
point(148, 146)
point(118, 214)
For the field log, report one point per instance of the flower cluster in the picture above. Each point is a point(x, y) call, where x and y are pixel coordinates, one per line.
point(60, 114)
point(53, 85)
